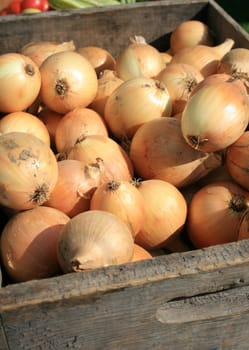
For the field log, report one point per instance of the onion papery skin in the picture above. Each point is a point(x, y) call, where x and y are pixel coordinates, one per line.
point(105, 153)
point(94, 239)
point(74, 187)
point(29, 244)
point(180, 79)
point(165, 214)
point(99, 57)
point(159, 151)
point(107, 83)
point(205, 58)
point(140, 253)
point(24, 122)
point(123, 199)
point(215, 212)
point(134, 103)
point(190, 33)
point(139, 59)
point(68, 81)
point(237, 160)
point(236, 63)
point(76, 124)
point(20, 82)
point(38, 51)
point(215, 117)
point(29, 171)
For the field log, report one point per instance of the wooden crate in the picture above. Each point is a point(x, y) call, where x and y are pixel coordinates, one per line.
point(196, 300)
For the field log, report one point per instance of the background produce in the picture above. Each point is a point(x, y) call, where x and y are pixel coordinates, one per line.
point(117, 158)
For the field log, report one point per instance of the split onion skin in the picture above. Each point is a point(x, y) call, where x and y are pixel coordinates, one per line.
point(159, 151)
point(94, 239)
point(29, 244)
point(123, 199)
point(215, 212)
point(24, 122)
point(68, 81)
point(215, 117)
point(29, 171)
point(20, 82)
point(165, 214)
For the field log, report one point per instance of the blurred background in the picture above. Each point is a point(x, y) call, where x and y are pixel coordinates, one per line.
point(238, 9)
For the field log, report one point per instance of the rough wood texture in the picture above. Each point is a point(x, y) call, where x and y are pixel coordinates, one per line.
point(193, 300)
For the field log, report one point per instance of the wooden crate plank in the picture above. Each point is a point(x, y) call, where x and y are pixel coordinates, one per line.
point(108, 27)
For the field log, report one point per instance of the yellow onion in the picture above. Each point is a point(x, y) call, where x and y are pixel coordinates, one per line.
point(29, 243)
point(243, 231)
point(205, 58)
point(24, 122)
point(180, 79)
point(139, 59)
point(106, 154)
point(215, 117)
point(93, 239)
point(237, 160)
point(121, 198)
point(140, 253)
point(68, 81)
point(75, 124)
point(190, 33)
point(158, 150)
point(165, 211)
point(38, 51)
point(99, 57)
point(20, 82)
point(29, 171)
point(236, 63)
point(135, 102)
point(215, 212)
point(107, 83)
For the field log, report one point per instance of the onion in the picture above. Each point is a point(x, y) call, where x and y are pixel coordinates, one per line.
point(29, 243)
point(74, 187)
point(236, 63)
point(159, 151)
point(135, 102)
point(167, 57)
point(76, 124)
point(29, 171)
point(180, 79)
point(106, 154)
point(68, 80)
point(99, 57)
point(218, 78)
point(24, 122)
point(139, 59)
point(38, 51)
point(237, 160)
point(215, 117)
point(215, 212)
point(123, 199)
point(20, 82)
point(51, 120)
point(165, 214)
point(107, 83)
point(205, 58)
point(190, 33)
point(140, 253)
point(94, 239)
